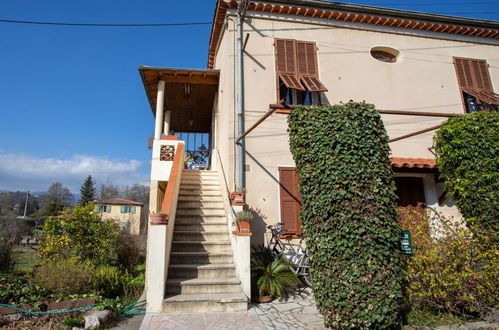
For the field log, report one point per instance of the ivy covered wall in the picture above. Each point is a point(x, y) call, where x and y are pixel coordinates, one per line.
point(348, 213)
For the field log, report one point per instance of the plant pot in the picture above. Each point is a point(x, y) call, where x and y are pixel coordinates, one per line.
point(243, 226)
point(236, 198)
point(158, 219)
point(265, 299)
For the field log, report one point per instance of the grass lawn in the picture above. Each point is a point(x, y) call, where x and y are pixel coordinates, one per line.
point(24, 257)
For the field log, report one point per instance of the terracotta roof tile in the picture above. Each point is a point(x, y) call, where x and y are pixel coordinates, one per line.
point(413, 162)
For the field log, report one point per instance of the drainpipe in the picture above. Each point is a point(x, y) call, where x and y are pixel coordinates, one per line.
point(240, 93)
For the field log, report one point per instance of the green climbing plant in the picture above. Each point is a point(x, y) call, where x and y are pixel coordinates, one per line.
point(348, 213)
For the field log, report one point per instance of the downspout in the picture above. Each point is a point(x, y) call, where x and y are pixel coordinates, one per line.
point(240, 93)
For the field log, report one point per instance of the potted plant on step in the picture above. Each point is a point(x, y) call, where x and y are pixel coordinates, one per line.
point(158, 218)
point(274, 280)
point(243, 221)
point(237, 197)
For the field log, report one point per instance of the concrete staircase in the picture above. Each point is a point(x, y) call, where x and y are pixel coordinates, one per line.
point(201, 276)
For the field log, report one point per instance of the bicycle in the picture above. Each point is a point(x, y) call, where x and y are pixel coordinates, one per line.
point(294, 253)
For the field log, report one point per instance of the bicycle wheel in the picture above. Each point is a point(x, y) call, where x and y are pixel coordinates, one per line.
point(305, 274)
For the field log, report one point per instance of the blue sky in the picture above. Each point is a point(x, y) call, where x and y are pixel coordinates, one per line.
point(71, 100)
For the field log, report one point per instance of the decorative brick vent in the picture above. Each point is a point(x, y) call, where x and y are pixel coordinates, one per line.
point(167, 153)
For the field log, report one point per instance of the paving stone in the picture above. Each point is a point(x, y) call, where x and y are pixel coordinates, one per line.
point(286, 307)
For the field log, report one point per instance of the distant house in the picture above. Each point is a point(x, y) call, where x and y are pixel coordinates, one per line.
point(126, 212)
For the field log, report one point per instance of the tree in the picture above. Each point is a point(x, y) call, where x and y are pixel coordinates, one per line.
point(139, 193)
point(87, 191)
point(348, 213)
point(79, 235)
point(57, 194)
point(109, 191)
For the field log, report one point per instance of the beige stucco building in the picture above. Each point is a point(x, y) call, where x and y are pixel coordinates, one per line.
point(125, 212)
point(265, 57)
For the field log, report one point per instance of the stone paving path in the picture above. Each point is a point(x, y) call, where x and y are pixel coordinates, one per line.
point(296, 312)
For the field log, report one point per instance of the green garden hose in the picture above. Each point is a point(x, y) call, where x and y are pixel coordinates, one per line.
point(54, 312)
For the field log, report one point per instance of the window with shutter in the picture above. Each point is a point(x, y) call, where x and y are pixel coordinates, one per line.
point(290, 201)
point(475, 85)
point(297, 72)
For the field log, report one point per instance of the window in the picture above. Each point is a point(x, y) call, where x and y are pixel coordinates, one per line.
point(103, 208)
point(385, 54)
point(127, 209)
point(475, 85)
point(297, 73)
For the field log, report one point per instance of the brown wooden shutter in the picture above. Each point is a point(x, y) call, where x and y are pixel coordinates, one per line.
point(474, 79)
point(290, 200)
point(286, 63)
point(473, 74)
point(307, 66)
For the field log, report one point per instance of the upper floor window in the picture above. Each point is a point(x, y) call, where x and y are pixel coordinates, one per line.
point(104, 208)
point(128, 209)
point(475, 85)
point(297, 73)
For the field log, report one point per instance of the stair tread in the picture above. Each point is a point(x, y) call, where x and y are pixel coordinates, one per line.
point(214, 297)
point(202, 266)
point(203, 253)
point(227, 242)
point(204, 281)
point(184, 232)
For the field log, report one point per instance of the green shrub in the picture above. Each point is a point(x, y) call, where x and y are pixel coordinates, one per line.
point(111, 281)
point(16, 290)
point(6, 257)
point(71, 322)
point(348, 213)
point(129, 253)
point(79, 235)
point(468, 154)
point(452, 271)
point(65, 277)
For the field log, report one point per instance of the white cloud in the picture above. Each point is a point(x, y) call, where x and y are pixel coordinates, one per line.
point(22, 171)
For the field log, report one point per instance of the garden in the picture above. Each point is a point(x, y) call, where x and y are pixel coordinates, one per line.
point(80, 263)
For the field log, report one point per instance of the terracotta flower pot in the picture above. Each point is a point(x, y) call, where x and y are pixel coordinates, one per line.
point(244, 226)
point(236, 198)
point(158, 219)
point(266, 299)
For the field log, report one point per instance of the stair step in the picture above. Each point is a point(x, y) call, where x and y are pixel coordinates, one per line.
point(197, 191)
point(200, 198)
point(203, 285)
point(215, 219)
point(201, 212)
point(201, 246)
point(199, 181)
point(198, 205)
point(201, 227)
point(204, 187)
point(196, 303)
point(201, 258)
point(196, 235)
point(201, 271)
point(200, 172)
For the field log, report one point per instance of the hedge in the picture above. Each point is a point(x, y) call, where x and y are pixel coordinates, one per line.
point(348, 213)
point(468, 158)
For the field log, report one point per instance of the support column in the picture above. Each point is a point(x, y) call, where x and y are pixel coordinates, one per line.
point(166, 126)
point(159, 109)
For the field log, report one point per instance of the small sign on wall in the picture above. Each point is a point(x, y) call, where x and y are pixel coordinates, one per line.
point(405, 242)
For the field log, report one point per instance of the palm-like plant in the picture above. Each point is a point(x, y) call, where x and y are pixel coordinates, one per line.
point(275, 278)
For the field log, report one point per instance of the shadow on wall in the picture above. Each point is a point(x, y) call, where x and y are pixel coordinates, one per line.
point(258, 226)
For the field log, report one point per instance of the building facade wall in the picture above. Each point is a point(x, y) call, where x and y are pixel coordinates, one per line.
point(130, 220)
point(422, 79)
